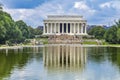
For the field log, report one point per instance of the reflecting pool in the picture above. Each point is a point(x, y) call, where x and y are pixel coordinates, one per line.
point(60, 62)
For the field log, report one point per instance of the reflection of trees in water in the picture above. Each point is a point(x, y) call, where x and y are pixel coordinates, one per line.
point(63, 57)
point(97, 54)
point(15, 58)
point(100, 54)
point(114, 55)
point(36, 52)
point(11, 60)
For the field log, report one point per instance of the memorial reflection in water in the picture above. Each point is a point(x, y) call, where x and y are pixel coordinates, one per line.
point(58, 57)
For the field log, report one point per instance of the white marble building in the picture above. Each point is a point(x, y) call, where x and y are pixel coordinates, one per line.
point(64, 24)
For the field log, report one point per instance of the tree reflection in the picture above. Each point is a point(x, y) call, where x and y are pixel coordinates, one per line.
point(114, 56)
point(97, 54)
point(101, 54)
point(16, 58)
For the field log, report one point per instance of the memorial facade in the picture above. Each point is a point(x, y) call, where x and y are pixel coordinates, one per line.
point(64, 24)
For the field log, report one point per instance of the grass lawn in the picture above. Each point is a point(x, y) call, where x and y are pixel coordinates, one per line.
point(90, 42)
point(93, 42)
point(44, 40)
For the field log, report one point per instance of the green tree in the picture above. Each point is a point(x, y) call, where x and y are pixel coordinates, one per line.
point(118, 34)
point(16, 35)
point(37, 31)
point(6, 23)
point(24, 28)
point(11, 32)
point(15, 32)
point(97, 31)
point(2, 33)
point(111, 35)
point(118, 23)
point(32, 32)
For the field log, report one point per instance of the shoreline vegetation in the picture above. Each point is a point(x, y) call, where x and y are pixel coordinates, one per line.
point(87, 43)
point(16, 32)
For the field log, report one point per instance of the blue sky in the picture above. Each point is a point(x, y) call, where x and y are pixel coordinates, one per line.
point(34, 11)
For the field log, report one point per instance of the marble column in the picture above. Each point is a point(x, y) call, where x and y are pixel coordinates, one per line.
point(74, 28)
point(50, 27)
point(47, 28)
point(70, 27)
point(82, 28)
point(62, 27)
point(58, 27)
point(44, 27)
point(78, 28)
point(85, 28)
point(66, 27)
point(54, 27)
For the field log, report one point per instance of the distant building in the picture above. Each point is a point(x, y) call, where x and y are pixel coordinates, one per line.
point(40, 28)
point(65, 24)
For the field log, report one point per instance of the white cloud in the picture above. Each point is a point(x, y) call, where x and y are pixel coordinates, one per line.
point(35, 16)
point(83, 6)
point(111, 4)
point(93, 0)
point(113, 8)
point(105, 5)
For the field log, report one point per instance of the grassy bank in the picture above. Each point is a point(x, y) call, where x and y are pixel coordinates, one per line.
point(28, 42)
point(103, 43)
point(45, 41)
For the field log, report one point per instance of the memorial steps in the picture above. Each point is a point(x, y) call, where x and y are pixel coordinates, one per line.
point(64, 39)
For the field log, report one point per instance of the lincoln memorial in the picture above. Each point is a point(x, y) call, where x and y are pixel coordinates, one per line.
point(64, 26)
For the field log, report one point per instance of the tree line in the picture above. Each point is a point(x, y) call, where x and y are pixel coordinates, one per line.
point(111, 35)
point(15, 31)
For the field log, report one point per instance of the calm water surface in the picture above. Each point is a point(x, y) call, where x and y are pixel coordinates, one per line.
point(60, 62)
